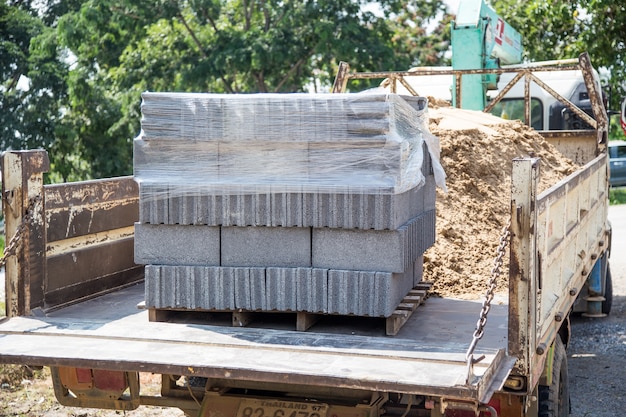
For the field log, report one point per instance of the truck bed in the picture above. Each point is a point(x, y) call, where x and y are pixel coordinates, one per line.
point(427, 356)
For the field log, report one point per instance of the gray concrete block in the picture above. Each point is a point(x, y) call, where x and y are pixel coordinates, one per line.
point(362, 293)
point(191, 287)
point(258, 289)
point(167, 244)
point(312, 290)
point(266, 246)
point(250, 294)
point(367, 293)
point(243, 291)
point(373, 250)
point(281, 288)
point(153, 203)
point(263, 211)
point(286, 209)
point(239, 206)
point(361, 250)
point(396, 287)
point(155, 288)
point(221, 288)
point(343, 292)
point(418, 270)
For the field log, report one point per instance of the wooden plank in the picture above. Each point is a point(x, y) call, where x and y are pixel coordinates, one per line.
point(405, 309)
point(304, 321)
point(241, 318)
point(88, 207)
point(157, 315)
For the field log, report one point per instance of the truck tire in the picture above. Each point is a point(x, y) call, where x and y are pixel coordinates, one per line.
point(608, 292)
point(554, 398)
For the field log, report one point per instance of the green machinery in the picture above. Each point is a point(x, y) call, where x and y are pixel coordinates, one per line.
point(481, 39)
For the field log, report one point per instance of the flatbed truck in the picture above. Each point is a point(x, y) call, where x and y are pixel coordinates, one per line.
point(74, 304)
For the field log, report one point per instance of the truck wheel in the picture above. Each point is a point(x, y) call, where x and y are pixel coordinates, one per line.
point(608, 292)
point(554, 398)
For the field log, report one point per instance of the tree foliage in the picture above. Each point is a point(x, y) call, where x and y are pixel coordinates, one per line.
point(87, 62)
point(104, 53)
point(559, 29)
point(28, 48)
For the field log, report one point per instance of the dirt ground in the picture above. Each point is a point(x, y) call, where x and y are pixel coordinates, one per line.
point(27, 393)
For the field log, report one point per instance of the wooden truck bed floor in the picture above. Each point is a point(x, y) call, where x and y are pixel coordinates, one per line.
point(427, 356)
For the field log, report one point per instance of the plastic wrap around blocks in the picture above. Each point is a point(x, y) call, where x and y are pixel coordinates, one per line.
point(241, 205)
point(312, 290)
point(313, 203)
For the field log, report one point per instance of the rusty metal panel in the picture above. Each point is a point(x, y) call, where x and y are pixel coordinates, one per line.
point(578, 145)
point(523, 264)
point(88, 263)
point(22, 173)
point(83, 208)
point(571, 224)
point(87, 289)
point(89, 234)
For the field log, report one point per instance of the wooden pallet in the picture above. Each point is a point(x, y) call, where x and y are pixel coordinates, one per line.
point(303, 321)
point(409, 304)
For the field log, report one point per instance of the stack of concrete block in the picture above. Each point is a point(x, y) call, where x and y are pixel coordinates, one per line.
point(266, 202)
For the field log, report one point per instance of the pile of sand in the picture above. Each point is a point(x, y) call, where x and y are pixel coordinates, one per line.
point(476, 153)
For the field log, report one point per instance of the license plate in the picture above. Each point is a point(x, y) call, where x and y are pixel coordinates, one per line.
point(280, 408)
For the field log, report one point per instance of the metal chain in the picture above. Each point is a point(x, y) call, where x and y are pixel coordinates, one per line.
point(11, 248)
point(493, 283)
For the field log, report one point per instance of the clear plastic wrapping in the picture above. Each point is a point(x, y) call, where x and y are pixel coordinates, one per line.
point(268, 143)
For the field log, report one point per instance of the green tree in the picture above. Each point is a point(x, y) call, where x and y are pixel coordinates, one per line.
point(122, 48)
point(560, 29)
point(29, 114)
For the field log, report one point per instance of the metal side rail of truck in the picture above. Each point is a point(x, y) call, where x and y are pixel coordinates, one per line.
point(73, 298)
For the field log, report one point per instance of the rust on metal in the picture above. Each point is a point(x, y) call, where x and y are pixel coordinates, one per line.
point(504, 91)
point(582, 64)
point(595, 97)
point(22, 186)
point(79, 209)
point(79, 240)
point(90, 229)
point(341, 80)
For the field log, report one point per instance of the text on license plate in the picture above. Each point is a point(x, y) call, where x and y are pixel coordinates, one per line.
point(279, 408)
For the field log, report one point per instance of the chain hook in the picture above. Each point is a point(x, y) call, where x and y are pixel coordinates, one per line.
point(11, 248)
point(486, 307)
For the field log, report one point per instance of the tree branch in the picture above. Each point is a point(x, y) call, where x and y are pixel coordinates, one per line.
point(14, 80)
point(227, 84)
point(247, 13)
point(260, 82)
point(266, 15)
point(291, 71)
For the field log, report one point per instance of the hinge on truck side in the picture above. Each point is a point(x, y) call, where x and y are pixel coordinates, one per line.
point(96, 388)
